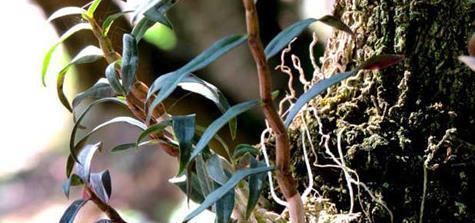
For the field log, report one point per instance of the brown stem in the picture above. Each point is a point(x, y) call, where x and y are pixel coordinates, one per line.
point(284, 176)
point(111, 213)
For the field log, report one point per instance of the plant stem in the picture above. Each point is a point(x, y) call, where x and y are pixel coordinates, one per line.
point(111, 213)
point(284, 176)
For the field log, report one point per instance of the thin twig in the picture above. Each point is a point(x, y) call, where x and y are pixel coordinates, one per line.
point(284, 176)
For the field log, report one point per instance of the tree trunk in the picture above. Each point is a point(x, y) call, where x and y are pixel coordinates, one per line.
point(407, 131)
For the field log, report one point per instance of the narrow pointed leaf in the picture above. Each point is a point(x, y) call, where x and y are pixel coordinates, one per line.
point(256, 185)
point(154, 129)
point(219, 123)
point(123, 147)
point(221, 191)
point(224, 206)
point(381, 61)
point(114, 81)
point(202, 60)
point(285, 36)
point(203, 178)
point(141, 27)
point(196, 85)
point(216, 170)
point(184, 128)
point(101, 89)
point(101, 185)
point(313, 92)
point(93, 7)
point(65, 36)
point(158, 12)
point(73, 180)
point(335, 23)
point(243, 149)
point(66, 11)
point(72, 211)
point(85, 160)
point(83, 114)
point(87, 55)
point(121, 119)
point(107, 24)
point(469, 61)
point(130, 61)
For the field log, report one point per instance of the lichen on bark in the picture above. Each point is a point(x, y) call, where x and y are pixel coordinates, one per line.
point(405, 128)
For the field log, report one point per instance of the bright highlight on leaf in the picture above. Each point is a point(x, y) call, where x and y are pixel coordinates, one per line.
point(66, 11)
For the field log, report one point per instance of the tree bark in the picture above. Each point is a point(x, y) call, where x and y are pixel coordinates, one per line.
point(407, 131)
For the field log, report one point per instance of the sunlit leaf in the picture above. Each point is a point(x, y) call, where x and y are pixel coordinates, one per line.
point(315, 90)
point(100, 184)
point(121, 119)
point(219, 123)
point(221, 191)
point(285, 36)
point(87, 55)
point(65, 36)
point(335, 23)
point(202, 60)
point(85, 160)
point(184, 129)
point(196, 85)
point(469, 61)
point(113, 79)
point(66, 11)
point(243, 149)
point(107, 24)
point(130, 61)
point(101, 89)
point(381, 61)
point(71, 211)
point(73, 180)
point(93, 7)
point(256, 185)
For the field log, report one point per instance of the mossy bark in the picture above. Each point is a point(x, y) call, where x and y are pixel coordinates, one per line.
point(398, 124)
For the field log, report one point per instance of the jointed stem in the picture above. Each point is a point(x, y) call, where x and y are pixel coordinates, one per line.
point(284, 176)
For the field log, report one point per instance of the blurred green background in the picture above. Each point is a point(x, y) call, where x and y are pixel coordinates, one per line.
point(35, 128)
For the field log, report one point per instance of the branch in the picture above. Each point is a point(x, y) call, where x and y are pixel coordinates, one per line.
point(111, 213)
point(284, 176)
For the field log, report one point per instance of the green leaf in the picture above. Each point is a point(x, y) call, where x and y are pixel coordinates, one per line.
point(92, 8)
point(85, 160)
point(114, 81)
point(256, 185)
point(469, 61)
point(184, 128)
point(83, 114)
point(87, 55)
point(101, 89)
point(200, 130)
point(243, 149)
point(100, 184)
point(202, 60)
point(141, 27)
point(196, 85)
point(130, 61)
point(381, 61)
point(66, 11)
point(123, 147)
point(221, 191)
point(335, 23)
point(72, 210)
point(107, 24)
point(204, 180)
point(285, 36)
point(224, 206)
point(156, 128)
point(65, 36)
point(122, 119)
point(73, 180)
point(315, 90)
point(216, 170)
point(219, 123)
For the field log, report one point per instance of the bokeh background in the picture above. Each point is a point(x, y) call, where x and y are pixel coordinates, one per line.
point(35, 128)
